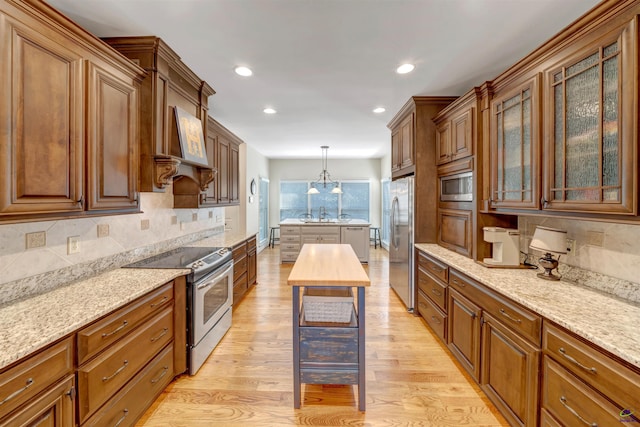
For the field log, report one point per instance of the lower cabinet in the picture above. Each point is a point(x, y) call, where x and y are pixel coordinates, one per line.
point(245, 268)
point(464, 332)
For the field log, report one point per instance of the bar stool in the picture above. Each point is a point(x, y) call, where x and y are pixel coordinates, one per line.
point(375, 237)
point(274, 235)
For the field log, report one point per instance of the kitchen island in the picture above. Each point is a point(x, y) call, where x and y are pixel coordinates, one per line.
point(328, 352)
point(294, 233)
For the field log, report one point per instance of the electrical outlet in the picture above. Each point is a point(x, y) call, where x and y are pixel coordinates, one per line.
point(595, 238)
point(194, 217)
point(571, 246)
point(103, 230)
point(174, 219)
point(36, 239)
point(73, 245)
point(144, 224)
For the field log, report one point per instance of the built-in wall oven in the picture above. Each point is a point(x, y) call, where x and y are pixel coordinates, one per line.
point(209, 296)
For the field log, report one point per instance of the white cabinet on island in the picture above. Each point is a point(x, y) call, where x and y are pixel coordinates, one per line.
point(294, 233)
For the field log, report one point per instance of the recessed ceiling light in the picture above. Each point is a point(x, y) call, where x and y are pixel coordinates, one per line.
point(379, 110)
point(405, 68)
point(269, 110)
point(243, 71)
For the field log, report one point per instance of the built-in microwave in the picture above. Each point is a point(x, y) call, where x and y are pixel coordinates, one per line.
point(457, 188)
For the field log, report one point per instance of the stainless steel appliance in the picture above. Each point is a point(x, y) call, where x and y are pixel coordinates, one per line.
point(457, 188)
point(401, 238)
point(209, 296)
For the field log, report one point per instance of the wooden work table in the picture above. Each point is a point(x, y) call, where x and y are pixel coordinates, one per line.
point(328, 352)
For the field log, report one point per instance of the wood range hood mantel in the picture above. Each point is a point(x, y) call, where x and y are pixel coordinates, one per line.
point(169, 83)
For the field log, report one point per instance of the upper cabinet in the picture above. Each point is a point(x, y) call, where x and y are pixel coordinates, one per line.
point(455, 132)
point(402, 147)
point(514, 146)
point(591, 119)
point(169, 83)
point(70, 147)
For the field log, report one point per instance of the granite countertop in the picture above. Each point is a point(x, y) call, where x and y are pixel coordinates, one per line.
point(607, 321)
point(33, 323)
point(293, 221)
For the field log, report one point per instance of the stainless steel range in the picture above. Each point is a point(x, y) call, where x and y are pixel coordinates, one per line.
point(209, 295)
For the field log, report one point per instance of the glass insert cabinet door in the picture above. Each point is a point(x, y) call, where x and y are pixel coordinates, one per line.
point(514, 146)
point(590, 156)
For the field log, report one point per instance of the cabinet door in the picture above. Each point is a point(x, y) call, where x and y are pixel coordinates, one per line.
point(591, 133)
point(514, 390)
point(455, 230)
point(462, 135)
point(112, 144)
point(224, 156)
point(41, 143)
point(234, 174)
point(54, 408)
point(514, 147)
point(463, 335)
point(395, 150)
point(443, 142)
point(406, 140)
point(252, 267)
point(210, 197)
point(358, 238)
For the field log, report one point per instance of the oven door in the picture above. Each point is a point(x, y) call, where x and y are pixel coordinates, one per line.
point(212, 297)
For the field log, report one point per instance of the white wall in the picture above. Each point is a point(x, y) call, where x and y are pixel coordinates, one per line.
point(256, 166)
point(309, 169)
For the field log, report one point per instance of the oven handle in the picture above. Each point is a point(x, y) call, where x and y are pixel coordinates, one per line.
point(210, 282)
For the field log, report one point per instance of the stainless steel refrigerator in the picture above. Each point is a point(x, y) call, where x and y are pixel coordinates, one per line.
point(401, 240)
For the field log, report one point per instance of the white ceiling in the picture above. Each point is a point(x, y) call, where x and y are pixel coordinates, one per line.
point(325, 64)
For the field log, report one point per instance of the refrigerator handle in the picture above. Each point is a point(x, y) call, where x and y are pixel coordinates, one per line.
point(394, 224)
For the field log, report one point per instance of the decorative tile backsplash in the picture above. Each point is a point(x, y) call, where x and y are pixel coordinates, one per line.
point(606, 256)
point(104, 242)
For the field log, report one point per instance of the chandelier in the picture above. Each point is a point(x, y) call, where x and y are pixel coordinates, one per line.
point(324, 178)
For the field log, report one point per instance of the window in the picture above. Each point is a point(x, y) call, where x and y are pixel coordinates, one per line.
point(353, 202)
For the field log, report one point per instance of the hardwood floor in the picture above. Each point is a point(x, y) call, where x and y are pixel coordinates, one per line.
point(248, 379)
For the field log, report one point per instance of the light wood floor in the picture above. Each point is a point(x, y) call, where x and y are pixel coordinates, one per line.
point(248, 379)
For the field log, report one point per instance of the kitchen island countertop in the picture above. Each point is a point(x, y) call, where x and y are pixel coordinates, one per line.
point(605, 320)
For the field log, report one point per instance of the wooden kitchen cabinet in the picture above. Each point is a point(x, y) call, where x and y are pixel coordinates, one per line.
point(431, 278)
point(455, 129)
point(455, 230)
point(244, 268)
point(252, 261)
point(359, 239)
point(39, 388)
point(71, 148)
point(514, 146)
point(402, 147)
point(463, 333)
point(591, 153)
point(319, 234)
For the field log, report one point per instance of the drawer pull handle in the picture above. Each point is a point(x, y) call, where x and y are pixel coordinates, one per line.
point(575, 362)
point(436, 292)
point(163, 333)
point(563, 400)
point(459, 283)
point(115, 331)
point(29, 383)
point(126, 412)
point(155, 304)
point(162, 374)
point(513, 319)
point(435, 319)
point(436, 269)
point(120, 369)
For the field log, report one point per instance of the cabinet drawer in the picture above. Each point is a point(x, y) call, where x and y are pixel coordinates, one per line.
point(328, 345)
point(288, 256)
point(251, 244)
point(290, 239)
point(239, 268)
point(239, 251)
point(435, 268)
point(104, 375)
point(28, 378)
point(131, 402)
point(287, 229)
point(617, 382)
point(290, 246)
point(518, 318)
point(105, 332)
point(432, 289)
point(435, 318)
point(320, 229)
point(572, 402)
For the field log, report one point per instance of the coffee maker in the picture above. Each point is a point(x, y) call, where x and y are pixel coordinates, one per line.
point(505, 246)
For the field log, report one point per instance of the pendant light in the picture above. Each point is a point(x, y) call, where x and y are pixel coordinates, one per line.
point(325, 177)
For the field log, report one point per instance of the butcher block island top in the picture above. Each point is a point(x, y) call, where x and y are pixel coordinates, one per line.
point(328, 265)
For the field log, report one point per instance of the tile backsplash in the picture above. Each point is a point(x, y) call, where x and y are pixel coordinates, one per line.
point(606, 255)
point(22, 256)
